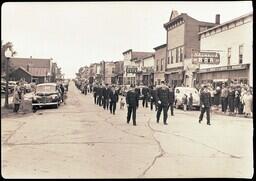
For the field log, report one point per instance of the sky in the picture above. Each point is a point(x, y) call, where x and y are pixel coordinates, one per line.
point(76, 34)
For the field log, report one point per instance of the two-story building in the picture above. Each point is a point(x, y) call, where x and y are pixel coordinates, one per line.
point(233, 40)
point(159, 65)
point(109, 72)
point(148, 64)
point(182, 37)
point(130, 59)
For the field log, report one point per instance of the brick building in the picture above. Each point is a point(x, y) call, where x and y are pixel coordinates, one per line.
point(182, 37)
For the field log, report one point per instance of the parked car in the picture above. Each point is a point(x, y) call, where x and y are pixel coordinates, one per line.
point(11, 86)
point(179, 93)
point(46, 94)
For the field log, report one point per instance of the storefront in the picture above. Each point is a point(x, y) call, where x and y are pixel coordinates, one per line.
point(148, 78)
point(175, 77)
point(228, 74)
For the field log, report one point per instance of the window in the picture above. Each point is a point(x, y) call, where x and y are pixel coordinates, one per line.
point(162, 62)
point(241, 54)
point(171, 57)
point(181, 54)
point(229, 55)
point(113, 70)
point(168, 60)
point(177, 55)
point(157, 66)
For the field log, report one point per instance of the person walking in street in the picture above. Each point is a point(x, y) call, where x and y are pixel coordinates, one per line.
point(106, 92)
point(137, 90)
point(224, 98)
point(113, 95)
point(95, 93)
point(162, 97)
point(145, 92)
point(100, 95)
point(132, 98)
point(190, 102)
point(171, 100)
point(62, 92)
point(205, 102)
point(16, 99)
point(152, 95)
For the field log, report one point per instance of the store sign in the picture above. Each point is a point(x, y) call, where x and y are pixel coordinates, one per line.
point(224, 68)
point(205, 57)
point(131, 69)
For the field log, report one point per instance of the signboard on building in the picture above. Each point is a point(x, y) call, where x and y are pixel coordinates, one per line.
point(205, 57)
point(131, 69)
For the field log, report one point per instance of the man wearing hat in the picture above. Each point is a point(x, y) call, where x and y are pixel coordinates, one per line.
point(162, 99)
point(132, 98)
point(205, 102)
point(113, 95)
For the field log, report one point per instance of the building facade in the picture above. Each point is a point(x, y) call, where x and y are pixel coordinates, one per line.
point(148, 64)
point(182, 37)
point(130, 59)
point(233, 41)
point(159, 64)
point(109, 72)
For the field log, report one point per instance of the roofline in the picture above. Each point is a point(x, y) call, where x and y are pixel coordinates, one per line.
point(227, 22)
point(153, 55)
point(127, 51)
point(160, 46)
point(22, 69)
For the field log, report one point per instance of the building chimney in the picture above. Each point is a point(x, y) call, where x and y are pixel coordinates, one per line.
point(217, 19)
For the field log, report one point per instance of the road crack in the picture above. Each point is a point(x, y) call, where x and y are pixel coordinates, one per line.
point(159, 155)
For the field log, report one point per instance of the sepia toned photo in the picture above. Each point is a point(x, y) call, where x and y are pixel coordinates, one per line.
point(160, 89)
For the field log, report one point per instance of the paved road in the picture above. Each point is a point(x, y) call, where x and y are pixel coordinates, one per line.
point(80, 140)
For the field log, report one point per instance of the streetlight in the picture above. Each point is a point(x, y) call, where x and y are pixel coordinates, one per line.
point(8, 55)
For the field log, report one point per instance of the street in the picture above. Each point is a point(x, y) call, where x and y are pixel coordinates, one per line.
point(82, 140)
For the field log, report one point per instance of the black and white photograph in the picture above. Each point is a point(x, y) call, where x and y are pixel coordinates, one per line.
point(127, 89)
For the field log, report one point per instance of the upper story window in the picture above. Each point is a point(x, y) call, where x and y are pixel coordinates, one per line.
point(229, 56)
point(173, 55)
point(241, 47)
point(181, 54)
point(162, 63)
point(177, 55)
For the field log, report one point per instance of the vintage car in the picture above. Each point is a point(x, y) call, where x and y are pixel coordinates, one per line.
point(46, 94)
point(179, 93)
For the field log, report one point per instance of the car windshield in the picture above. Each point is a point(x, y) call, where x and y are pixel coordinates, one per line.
point(46, 88)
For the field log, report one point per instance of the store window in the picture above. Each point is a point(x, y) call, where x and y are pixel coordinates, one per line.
point(229, 55)
point(241, 54)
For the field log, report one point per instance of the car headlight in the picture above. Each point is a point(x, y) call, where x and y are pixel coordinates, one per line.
point(54, 96)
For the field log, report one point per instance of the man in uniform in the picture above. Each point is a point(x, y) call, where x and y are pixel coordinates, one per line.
point(171, 99)
point(162, 97)
point(205, 102)
point(145, 92)
point(113, 95)
point(132, 98)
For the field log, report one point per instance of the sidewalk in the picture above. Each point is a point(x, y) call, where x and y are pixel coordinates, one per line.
point(219, 112)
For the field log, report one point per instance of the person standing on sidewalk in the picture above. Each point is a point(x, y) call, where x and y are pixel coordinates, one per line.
point(190, 102)
point(171, 99)
point(16, 100)
point(113, 95)
point(162, 97)
point(231, 98)
point(132, 98)
point(205, 102)
point(224, 98)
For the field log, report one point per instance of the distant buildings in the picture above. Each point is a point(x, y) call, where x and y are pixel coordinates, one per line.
point(173, 61)
point(34, 70)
